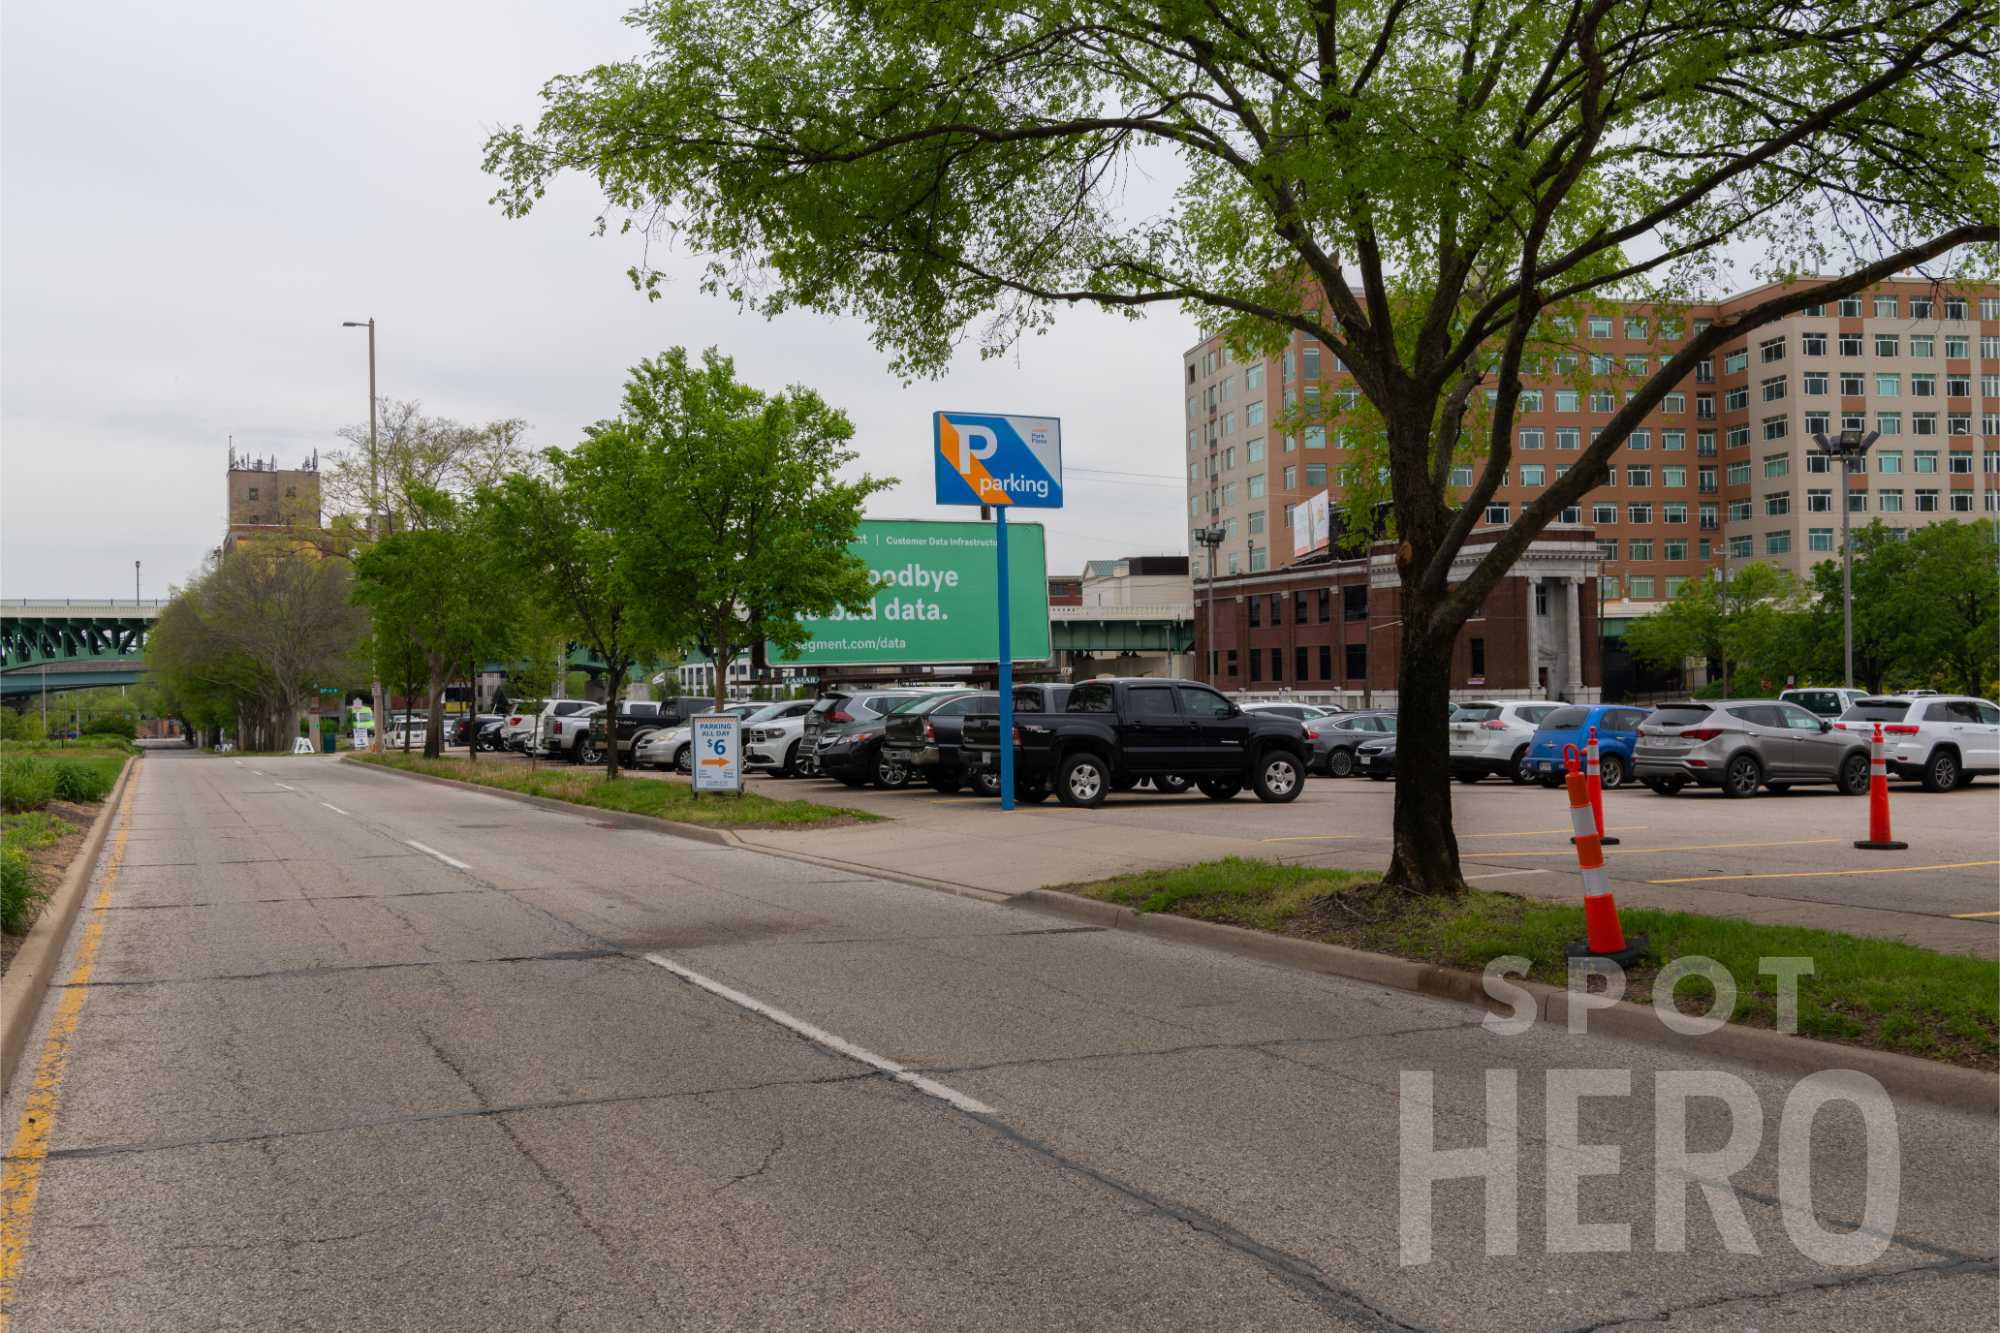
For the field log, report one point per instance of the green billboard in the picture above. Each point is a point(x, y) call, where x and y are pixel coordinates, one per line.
point(936, 598)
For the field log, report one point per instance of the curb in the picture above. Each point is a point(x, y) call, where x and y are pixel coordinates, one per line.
point(1944, 1085)
point(34, 967)
point(715, 837)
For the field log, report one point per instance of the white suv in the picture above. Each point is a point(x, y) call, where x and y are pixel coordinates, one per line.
point(771, 738)
point(1491, 736)
point(1945, 740)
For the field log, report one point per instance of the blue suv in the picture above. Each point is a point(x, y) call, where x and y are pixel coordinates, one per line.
point(1617, 732)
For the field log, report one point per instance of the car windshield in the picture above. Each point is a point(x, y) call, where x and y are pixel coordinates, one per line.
point(1877, 710)
point(1564, 719)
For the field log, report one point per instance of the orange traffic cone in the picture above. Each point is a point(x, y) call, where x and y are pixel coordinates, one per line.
point(1594, 767)
point(1604, 936)
point(1879, 838)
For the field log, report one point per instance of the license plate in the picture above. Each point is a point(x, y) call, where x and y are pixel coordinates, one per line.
point(982, 757)
point(1668, 743)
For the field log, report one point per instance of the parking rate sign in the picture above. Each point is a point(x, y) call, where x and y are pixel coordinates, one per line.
point(1014, 462)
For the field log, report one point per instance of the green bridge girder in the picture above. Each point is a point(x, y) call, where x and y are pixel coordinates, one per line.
point(1121, 636)
point(15, 684)
point(32, 634)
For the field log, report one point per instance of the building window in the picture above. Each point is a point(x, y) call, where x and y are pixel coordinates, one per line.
point(1675, 512)
point(1777, 543)
point(1890, 502)
point(1857, 502)
point(1676, 550)
point(1638, 513)
point(1850, 307)
point(1923, 344)
point(1639, 441)
point(1567, 400)
point(1639, 474)
point(1600, 326)
point(1315, 474)
point(1256, 665)
point(1255, 486)
point(1478, 657)
point(1776, 428)
point(1256, 522)
point(1277, 664)
point(1738, 360)
point(1819, 502)
point(1571, 515)
point(1778, 504)
point(1531, 438)
point(1675, 582)
point(1889, 423)
point(1818, 423)
point(1641, 549)
point(1813, 344)
point(1496, 512)
point(1777, 465)
point(253, 492)
point(1739, 474)
point(1961, 502)
point(1741, 548)
point(1642, 587)
point(1357, 661)
point(1739, 511)
point(1673, 476)
point(1771, 349)
point(1601, 400)
point(1604, 513)
point(1567, 437)
point(1819, 539)
point(1927, 502)
point(1737, 399)
point(1325, 662)
point(1607, 548)
point(1607, 587)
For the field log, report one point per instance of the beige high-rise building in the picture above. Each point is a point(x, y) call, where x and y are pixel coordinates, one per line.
point(1722, 473)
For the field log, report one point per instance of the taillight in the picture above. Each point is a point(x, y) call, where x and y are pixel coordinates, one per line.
point(514, 720)
point(1899, 729)
point(1701, 733)
point(838, 715)
point(1494, 724)
point(930, 732)
point(1017, 735)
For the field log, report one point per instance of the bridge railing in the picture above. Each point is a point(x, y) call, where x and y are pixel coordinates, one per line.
point(47, 603)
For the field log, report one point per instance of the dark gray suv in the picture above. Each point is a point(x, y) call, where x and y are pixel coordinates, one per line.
point(1740, 745)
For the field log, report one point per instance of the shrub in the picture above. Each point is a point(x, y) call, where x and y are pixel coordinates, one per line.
point(18, 891)
point(26, 782)
point(24, 727)
point(84, 780)
point(112, 724)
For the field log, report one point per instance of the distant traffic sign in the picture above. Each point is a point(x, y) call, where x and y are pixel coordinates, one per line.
point(1005, 461)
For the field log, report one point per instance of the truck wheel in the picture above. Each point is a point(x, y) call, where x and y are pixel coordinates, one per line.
point(1030, 793)
point(986, 783)
point(1219, 789)
point(1278, 777)
point(890, 774)
point(1084, 781)
point(941, 781)
point(1173, 784)
point(684, 760)
point(586, 753)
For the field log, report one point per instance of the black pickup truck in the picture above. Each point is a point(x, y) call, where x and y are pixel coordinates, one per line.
point(979, 736)
point(1110, 734)
point(924, 737)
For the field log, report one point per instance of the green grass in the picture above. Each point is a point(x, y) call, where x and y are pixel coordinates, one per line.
point(30, 780)
point(1878, 993)
point(639, 796)
point(20, 881)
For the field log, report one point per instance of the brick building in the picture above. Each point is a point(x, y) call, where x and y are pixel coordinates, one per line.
point(269, 503)
point(1322, 628)
point(1722, 473)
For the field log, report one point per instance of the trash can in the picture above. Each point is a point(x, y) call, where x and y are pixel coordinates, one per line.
point(327, 740)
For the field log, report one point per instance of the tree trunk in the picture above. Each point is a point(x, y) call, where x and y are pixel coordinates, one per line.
point(434, 727)
point(1425, 850)
point(614, 690)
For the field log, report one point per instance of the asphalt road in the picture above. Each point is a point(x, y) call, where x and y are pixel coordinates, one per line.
point(354, 1051)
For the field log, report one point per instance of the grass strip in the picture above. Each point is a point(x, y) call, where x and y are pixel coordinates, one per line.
point(1878, 993)
point(638, 796)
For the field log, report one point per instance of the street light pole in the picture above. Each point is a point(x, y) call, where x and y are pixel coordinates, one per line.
point(135, 583)
point(1847, 446)
point(379, 702)
point(1211, 537)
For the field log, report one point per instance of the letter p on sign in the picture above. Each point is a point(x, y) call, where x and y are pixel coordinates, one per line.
point(988, 444)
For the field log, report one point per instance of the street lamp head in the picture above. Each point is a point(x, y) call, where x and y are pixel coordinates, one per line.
point(353, 323)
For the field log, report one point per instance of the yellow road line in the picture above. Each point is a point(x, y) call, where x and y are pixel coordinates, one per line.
point(1540, 832)
point(21, 1179)
point(1972, 916)
point(1829, 874)
point(1664, 851)
point(1323, 837)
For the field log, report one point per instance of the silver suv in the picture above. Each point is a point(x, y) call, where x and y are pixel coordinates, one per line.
point(1740, 745)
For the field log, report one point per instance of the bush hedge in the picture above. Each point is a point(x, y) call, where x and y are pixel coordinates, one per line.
point(27, 782)
point(112, 724)
point(18, 891)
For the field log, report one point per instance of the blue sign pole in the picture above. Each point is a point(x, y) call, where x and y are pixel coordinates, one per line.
point(1006, 664)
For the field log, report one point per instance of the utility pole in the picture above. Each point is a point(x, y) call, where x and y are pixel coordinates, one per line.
point(135, 583)
point(1212, 537)
point(1848, 446)
point(380, 702)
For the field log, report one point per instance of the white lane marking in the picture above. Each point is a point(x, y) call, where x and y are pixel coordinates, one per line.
point(821, 1037)
point(281, 786)
point(336, 809)
point(453, 862)
point(1503, 874)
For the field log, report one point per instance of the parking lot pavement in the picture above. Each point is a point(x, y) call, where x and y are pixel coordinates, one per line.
point(1784, 858)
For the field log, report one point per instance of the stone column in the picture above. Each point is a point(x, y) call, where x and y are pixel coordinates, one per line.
point(1534, 637)
point(1573, 611)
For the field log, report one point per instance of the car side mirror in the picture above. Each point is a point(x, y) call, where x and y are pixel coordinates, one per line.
point(1234, 711)
point(1825, 725)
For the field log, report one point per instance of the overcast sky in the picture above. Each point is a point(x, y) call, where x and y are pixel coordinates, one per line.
point(195, 197)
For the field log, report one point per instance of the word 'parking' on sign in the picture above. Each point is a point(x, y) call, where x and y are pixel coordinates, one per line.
point(1007, 461)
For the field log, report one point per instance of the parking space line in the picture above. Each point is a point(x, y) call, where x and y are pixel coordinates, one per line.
point(331, 806)
point(281, 786)
point(1505, 874)
point(1665, 851)
point(1323, 837)
point(1536, 833)
point(1973, 916)
point(1830, 874)
point(821, 1037)
point(432, 851)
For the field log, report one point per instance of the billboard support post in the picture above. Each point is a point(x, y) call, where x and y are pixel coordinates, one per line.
point(1006, 664)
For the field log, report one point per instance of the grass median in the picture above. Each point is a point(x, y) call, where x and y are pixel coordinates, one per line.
point(1877, 993)
point(638, 796)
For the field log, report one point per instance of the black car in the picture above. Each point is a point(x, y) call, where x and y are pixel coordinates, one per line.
point(924, 737)
point(487, 735)
point(1376, 758)
point(852, 751)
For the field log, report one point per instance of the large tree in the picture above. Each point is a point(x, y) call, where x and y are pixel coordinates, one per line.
point(1414, 183)
point(1926, 607)
point(1742, 621)
point(568, 543)
point(437, 585)
point(745, 520)
point(416, 457)
point(257, 632)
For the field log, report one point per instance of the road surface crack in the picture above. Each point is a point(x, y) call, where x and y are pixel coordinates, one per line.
point(1948, 1268)
point(760, 1169)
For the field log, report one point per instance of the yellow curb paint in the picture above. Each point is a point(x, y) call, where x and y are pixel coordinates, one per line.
point(1830, 874)
point(1973, 916)
point(1690, 847)
point(22, 1176)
